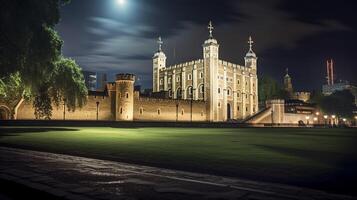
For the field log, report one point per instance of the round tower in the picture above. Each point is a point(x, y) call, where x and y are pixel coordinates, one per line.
point(125, 97)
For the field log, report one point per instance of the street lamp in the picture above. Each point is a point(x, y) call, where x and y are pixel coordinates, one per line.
point(333, 120)
point(97, 103)
point(315, 119)
point(325, 117)
point(307, 119)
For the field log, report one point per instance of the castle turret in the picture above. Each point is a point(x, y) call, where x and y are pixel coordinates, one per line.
point(159, 62)
point(288, 86)
point(251, 58)
point(210, 56)
point(125, 97)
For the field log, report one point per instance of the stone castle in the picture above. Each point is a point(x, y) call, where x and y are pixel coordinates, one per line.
point(207, 89)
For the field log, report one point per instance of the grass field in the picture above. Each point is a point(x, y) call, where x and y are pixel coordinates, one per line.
point(317, 158)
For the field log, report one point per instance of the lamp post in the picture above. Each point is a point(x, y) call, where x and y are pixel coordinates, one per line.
point(318, 117)
point(97, 103)
point(64, 109)
point(325, 117)
point(333, 120)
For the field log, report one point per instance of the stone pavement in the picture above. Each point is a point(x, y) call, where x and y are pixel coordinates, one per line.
point(72, 177)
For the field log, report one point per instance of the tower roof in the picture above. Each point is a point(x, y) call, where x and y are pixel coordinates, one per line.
point(210, 40)
point(159, 51)
point(251, 53)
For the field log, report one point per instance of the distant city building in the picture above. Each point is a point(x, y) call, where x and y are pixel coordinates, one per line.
point(90, 79)
point(102, 81)
point(331, 87)
point(288, 86)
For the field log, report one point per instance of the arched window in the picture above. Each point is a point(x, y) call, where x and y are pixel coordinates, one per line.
point(158, 111)
point(127, 95)
point(202, 89)
point(178, 78)
point(161, 82)
point(229, 92)
point(201, 75)
point(182, 112)
point(219, 104)
point(121, 110)
point(169, 80)
point(141, 111)
point(238, 81)
point(219, 90)
point(189, 92)
point(170, 93)
point(179, 93)
point(189, 77)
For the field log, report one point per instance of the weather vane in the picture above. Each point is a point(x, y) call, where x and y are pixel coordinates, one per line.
point(160, 42)
point(250, 42)
point(210, 28)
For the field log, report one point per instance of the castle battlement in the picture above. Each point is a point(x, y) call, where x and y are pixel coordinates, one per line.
point(128, 77)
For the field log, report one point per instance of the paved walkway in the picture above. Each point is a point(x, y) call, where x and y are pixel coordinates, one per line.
point(74, 177)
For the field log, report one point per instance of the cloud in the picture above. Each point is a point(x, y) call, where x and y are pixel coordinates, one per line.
point(118, 46)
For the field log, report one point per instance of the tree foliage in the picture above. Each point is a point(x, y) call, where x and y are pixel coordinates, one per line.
point(12, 89)
point(340, 103)
point(30, 48)
point(270, 89)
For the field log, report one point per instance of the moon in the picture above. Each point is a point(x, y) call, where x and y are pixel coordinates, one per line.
point(121, 2)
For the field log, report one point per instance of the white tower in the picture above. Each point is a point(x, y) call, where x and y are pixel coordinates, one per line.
point(210, 56)
point(159, 62)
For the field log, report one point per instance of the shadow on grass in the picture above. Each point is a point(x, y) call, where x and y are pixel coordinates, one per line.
point(9, 131)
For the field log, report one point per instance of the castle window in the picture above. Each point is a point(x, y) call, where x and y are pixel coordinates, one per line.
point(201, 75)
point(219, 104)
point(238, 94)
point(238, 81)
point(161, 81)
point(121, 110)
point(253, 109)
point(178, 79)
point(182, 112)
point(228, 92)
point(119, 95)
point(246, 109)
point(141, 110)
point(170, 93)
point(169, 80)
point(189, 77)
point(202, 89)
point(127, 95)
point(246, 96)
point(158, 111)
point(219, 90)
point(238, 108)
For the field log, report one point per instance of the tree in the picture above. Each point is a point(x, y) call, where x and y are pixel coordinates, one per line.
point(340, 103)
point(31, 48)
point(270, 89)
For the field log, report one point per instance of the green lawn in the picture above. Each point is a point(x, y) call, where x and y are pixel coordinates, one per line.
point(318, 158)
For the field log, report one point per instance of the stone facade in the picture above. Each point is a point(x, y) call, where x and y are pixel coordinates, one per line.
point(229, 90)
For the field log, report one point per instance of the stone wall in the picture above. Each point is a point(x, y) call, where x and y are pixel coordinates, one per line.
point(149, 109)
point(88, 112)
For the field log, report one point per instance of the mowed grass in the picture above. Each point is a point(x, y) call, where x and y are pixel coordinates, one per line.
point(317, 158)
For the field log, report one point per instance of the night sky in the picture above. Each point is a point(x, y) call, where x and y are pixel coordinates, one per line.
point(103, 36)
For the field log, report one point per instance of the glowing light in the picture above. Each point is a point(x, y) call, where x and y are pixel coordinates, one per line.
point(307, 117)
point(315, 119)
point(317, 113)
point(344, 119)
point(121, 2)
point(325, 116)
point(333, 116)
